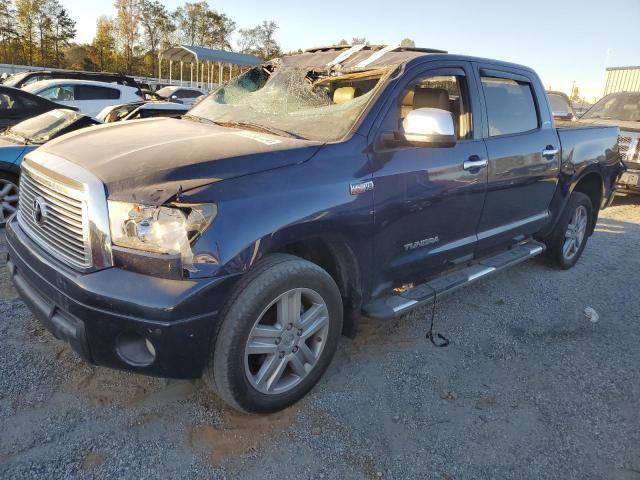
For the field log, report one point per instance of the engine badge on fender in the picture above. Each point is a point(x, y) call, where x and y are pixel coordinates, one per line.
point(361, 187)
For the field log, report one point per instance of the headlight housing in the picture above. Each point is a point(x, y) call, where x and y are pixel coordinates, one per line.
point(169, 229)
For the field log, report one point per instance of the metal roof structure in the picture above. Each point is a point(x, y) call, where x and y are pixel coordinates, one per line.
point(190, 54)
point(208, 63)
point(622, 79)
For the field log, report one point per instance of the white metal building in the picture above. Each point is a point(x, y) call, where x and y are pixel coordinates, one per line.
point(622, 79)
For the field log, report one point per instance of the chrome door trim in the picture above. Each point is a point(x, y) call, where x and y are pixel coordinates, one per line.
point(511, 226)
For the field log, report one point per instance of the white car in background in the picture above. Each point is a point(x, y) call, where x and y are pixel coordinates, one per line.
point(87, 96)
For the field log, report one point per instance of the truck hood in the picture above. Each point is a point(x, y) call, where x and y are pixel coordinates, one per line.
point(150, 161)
point(625, 126)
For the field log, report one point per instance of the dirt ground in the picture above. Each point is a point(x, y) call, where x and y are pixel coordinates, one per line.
point(529, 388)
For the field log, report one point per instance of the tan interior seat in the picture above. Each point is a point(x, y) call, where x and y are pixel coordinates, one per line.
point(431, 98)
point(344, 94)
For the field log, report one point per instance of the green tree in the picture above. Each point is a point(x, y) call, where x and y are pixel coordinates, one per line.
point(104, 44)
point(63, 30)
point(8, 33)
point(407, 43)
point(26, 12)
point(269, 47)
point(157, 26)
point(128, 30)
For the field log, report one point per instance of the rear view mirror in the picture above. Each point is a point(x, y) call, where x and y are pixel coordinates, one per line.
point(430, 127)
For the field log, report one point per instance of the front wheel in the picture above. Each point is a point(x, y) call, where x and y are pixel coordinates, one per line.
point(278, 335)
point(569, 238)
point(8, 196)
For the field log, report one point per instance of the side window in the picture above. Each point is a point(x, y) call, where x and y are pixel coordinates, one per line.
point(448, 93)
point(9, 102)
point(59, 93)
point(510, 106)
point(90, 92)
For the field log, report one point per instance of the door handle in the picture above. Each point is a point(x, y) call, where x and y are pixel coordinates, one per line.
point(475, 163)
point(550, 152)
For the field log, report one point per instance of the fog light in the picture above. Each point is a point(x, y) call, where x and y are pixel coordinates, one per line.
point(135, 349)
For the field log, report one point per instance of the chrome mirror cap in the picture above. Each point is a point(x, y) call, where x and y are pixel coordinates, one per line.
point(429, 126)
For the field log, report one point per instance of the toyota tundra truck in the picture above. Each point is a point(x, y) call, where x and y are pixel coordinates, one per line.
point(238, 243)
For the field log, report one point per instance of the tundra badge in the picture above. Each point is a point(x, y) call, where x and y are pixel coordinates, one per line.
point(361, 187)
point(421, 243)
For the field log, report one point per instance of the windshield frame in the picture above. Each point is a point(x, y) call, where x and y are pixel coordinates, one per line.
point(388, 73)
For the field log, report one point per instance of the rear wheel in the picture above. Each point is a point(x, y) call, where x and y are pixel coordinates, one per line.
point(569, 238)
point(278, 335)
point(8, 196)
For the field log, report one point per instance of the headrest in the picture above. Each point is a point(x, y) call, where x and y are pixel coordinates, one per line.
point(344, 94)
point(431, 98)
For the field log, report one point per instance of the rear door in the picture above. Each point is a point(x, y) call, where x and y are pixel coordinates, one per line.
point(524, 155)
point(427, 200)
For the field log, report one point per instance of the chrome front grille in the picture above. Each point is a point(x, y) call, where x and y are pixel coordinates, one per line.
point(630, 158)
point(623, 145)
point(52, 212)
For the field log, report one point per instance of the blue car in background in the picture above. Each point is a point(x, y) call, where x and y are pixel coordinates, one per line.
point(25, 137)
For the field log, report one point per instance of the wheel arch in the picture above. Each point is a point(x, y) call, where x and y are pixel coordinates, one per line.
point(336, 256)
point(592, 185)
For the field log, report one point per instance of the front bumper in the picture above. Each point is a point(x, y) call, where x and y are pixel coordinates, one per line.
point(627, 187)
point(92, 312)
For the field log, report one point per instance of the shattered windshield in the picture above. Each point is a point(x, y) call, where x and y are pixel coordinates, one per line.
point(624, 106)
point(312, 104)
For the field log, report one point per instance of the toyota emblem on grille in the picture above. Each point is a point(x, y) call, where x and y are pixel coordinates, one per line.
point(39, 212)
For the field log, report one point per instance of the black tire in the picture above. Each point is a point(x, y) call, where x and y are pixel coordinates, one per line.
point(556, 241)
point(268, 280)
point(15, 180)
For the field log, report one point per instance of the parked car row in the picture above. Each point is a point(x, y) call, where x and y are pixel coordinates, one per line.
point(238, 242)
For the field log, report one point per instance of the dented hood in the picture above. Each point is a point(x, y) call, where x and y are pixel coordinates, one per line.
point(149, 161)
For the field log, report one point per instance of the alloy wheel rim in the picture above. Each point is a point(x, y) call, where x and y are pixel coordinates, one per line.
point(8, 199)
point(574, 236)
point(286, 341)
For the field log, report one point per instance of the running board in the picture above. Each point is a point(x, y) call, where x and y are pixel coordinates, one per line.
point(395, 305)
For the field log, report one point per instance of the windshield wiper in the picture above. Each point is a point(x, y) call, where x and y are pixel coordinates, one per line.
point(255, 126)
point(198, 119)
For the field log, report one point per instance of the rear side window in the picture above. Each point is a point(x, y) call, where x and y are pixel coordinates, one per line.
point(510, 106)
point(89, 92)
point(59, 93)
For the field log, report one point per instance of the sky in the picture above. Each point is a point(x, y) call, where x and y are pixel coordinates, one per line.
point(563, 40)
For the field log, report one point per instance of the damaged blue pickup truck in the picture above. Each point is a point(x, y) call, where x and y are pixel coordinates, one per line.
point(241, 241)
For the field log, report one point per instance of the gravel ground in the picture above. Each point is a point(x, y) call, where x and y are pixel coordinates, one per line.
point(529, 388)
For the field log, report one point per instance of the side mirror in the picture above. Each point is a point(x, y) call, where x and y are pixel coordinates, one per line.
point(429, 127)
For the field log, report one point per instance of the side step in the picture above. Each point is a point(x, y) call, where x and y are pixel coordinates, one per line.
point(396, 305)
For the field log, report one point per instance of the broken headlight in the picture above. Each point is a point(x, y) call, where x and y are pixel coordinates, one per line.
point(166, 230)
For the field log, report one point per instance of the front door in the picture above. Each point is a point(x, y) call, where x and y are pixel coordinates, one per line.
point(524, 156)
point(427, 201)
